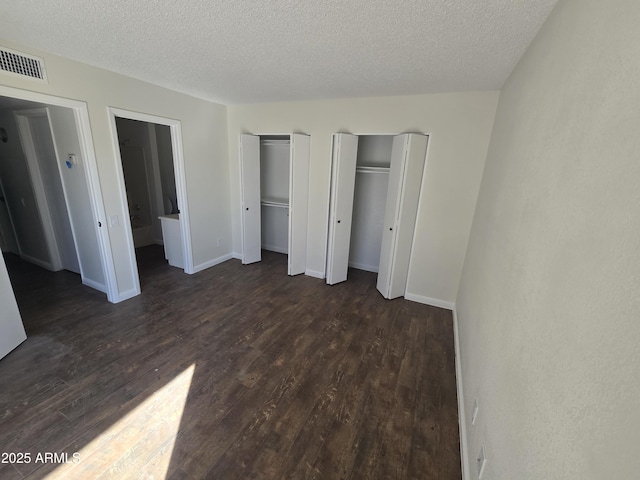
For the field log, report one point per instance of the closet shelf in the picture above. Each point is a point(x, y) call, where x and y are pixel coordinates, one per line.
point(274, 142)
point(274, 202)
point(371, 169)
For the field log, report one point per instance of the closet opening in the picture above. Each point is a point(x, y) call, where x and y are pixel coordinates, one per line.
point(274, 192)
point(369, 199)
point(274, 172)
point(375, 189)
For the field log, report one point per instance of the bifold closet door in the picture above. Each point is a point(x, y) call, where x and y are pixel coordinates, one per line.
point(405, 179)
point(250, 198)
point(298, 202)
point(343, 178)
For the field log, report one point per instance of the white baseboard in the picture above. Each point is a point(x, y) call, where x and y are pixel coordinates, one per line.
point(273, 248)
point(101, 287)
point(362, 266)
point(237, 256)
point(314, 273)
point(434, 302)
point(462, 419)
point(121, 297)
point(37, 261)
point(212, 263)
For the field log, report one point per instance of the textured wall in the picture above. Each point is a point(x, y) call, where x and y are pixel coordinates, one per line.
point(459, 125)
point(549, 302)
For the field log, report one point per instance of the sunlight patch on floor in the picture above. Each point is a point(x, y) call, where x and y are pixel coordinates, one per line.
point(140, 444)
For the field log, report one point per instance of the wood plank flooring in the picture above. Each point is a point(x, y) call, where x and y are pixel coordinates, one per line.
point(237, 372)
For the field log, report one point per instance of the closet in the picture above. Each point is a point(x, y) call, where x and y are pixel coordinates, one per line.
point(274, 174)
point(375, 188)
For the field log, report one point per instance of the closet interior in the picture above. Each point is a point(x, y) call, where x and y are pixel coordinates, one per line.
point(369, 199)
point(274, 172)
point(375, 189)
point(274, 193)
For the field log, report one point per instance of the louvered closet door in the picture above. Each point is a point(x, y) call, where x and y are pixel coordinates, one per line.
point(298, 203)
point(343, 178)
point(405, 180)
point(250, 185)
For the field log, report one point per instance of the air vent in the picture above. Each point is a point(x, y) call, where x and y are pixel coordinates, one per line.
point(21, 64)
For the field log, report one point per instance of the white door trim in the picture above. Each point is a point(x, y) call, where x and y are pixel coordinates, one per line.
point(181, 184)
point(81, 115)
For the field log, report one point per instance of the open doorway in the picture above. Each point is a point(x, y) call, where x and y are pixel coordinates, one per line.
point(149, 179)
point(46, 216)
point(153, 188)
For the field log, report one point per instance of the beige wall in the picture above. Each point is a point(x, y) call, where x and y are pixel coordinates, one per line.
point(204, 141)
point(549, 302)
point(459, 125)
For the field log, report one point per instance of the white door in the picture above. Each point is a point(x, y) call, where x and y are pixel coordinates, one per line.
point(298, 202)
point(343, 177)
point(250, 201)
point(405, 179)
point(52, 183)
point(12, 331)
point(78, 196)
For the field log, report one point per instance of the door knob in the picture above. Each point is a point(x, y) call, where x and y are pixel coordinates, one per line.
point(338, 221)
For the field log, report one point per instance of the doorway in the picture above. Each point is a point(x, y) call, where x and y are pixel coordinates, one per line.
point(47, 214)
point(151, 170)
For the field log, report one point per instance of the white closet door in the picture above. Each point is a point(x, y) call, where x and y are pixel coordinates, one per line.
point(298, 202)
point(405, 180)
point(250, 186)
point(343, 177)
point(12, 332)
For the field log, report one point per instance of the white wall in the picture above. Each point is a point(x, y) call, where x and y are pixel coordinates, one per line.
point(549, 302)
point(204, 145)
point(459, 125)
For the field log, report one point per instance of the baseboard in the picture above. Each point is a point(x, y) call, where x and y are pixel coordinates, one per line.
point(121, 297)
point(95, 285)
point(362, 266)
point(237, 256)
point(37, 261)
point(462, 419)
point(434, 302)
point(314, 273)
point(273, 248)
point(212, 263)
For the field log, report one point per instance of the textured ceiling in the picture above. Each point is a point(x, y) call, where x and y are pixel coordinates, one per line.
point(248, 51)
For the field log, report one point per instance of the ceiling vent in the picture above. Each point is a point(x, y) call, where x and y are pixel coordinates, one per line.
point(22, 64)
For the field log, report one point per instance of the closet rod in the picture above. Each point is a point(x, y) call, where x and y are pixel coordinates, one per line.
point(266, 203)
point(275, 142)
point(372, 169)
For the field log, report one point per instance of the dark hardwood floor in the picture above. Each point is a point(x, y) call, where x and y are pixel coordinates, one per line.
point(236, 372)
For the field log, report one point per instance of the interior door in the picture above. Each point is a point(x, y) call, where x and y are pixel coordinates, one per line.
point(250, 193)
point(78, 196)
point(52, 182)
point(12, 331)
point(343, 178)
point(405, 179)
point(298, 202)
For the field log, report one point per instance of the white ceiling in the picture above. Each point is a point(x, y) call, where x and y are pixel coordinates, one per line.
point(249, 51)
